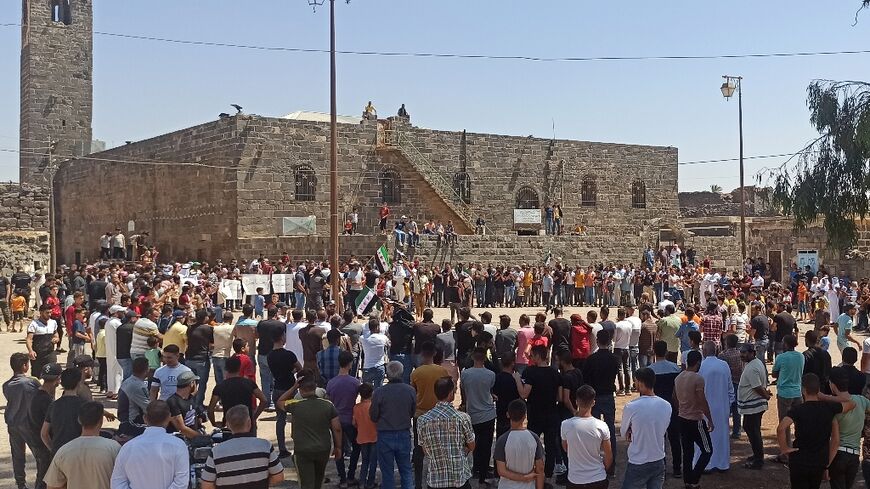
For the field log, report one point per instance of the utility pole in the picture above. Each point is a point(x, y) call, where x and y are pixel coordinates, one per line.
point(50, 170)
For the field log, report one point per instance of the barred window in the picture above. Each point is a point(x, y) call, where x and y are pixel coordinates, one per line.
point(462, 187)
point(527, 198)
point(390, 187)
point(588, 192)
point(638, 195)
point(306, 184)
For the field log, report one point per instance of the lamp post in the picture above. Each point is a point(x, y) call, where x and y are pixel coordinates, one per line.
point(334, 277)
point(730, 84)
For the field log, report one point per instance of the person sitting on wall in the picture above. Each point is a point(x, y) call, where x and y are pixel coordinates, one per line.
point(370, 113)
point(403, 113)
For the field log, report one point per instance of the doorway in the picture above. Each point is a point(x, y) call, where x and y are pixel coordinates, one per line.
point(774, 259)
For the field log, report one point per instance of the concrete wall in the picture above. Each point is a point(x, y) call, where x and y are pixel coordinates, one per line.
point(24, 238)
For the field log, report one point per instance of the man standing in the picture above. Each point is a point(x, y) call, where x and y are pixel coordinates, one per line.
point(39, 405)
point(731, 356)
point(423, 380)
point(645, 421)
point(812, 421)
point(243, 460)
point(316, 429)
point(61, 423)
point(41, 338)
point(342, 391)
point(114, 373)
point(518, 454)
point(621, 339)
point(843, 327)
point(788, 369)
point(134, 392)
point(374, 347)
point(719, 392)
point(599, 370)
point(88, 460)
point(539, 385)
point(154, 459)
point(816, 359)
point(667, 331)
point(265, 331)
point(283, 365)
point(447, 436)
point(476, 384)
point(696, 421)
point(666, 373)
point(844, 467)
point(393, 406)
point(236, 390)
point(19, 392)
point(752, 397)
point(585, 439)
point(164, 379)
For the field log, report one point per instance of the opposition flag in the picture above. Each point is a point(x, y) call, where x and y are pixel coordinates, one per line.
point(363, 300)
point(383, 259)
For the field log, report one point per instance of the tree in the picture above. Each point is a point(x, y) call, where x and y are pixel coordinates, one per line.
point(717, 189)
point(831, 179)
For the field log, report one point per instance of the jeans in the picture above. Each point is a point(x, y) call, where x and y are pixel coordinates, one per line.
point(374, 376)
point(590, 296)
point(483, 449)
point(280, 420)
point(201, 369)
point(219, 366)
point(300, 300)
point(20, 437)
point(547, 300)
point(843, 470)
point(394, 449)
point(407, 361)
point(480, 294)
point(761, 349)
point(650, 475)
point(368, 466)
point(643, 361)
point(694, 432)
point(623, 375)
point(311, 467)
point(265, 376)
point(348, 442)
point(126, 367)
point(735, 416)
point(605, 408)
point(752, 426)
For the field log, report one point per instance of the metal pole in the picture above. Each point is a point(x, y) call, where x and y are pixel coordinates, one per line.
point(333, 167)
point(742, 190)
point(52, 238)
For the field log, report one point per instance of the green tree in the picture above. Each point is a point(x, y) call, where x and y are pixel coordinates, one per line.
point(831, 180)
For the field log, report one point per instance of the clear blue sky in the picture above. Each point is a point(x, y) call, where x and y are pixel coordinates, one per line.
point(143, 88)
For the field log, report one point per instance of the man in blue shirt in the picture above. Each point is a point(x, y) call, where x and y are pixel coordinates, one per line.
point(843, 327)
point(327, 359)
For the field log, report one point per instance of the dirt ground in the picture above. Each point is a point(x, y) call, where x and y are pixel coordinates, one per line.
point(772, 476)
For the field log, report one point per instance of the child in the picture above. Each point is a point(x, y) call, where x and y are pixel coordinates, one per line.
point(259, 303)
point(824, 341)
point(81, 335)
point(366, 437)
point(683, 332)
point(802, 295)
point(19, 302)
point(537, 340)
point(240, 347)
point(100, 354)
point(153, 355)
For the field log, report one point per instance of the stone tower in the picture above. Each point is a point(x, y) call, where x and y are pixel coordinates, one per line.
point(56, 83)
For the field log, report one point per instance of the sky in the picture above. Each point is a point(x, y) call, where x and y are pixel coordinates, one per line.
point(146, 88)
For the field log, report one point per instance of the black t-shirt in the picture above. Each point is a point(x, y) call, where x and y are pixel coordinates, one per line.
point(785, 324)
point(96, 290)
point(22, 281)
point(184, 408)
point(505, 389)
point(4, 288)
point(599, 370)
point(198, 341)
point(545, 383)
point(63, 416)
point(235, 391)
point(857, 380)
point(123, 340)
point(265, 329)
point(400, 332)
point(759, 325)
point(571, 381)
point(464, 340)
point(818, 361)
point(281, 363)
point(812, 427)
point(38, 408)
point(561, 340)
point(424, 332)
point(371, 279)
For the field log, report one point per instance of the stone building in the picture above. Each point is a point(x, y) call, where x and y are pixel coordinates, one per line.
point(24, 239)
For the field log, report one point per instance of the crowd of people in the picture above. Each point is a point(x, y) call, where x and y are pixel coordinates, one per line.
point(529, 400)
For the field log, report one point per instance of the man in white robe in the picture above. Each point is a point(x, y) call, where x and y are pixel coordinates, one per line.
point(114, 374)
point(719, 391)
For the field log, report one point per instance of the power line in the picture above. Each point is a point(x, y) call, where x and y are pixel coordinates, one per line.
point(408, 54)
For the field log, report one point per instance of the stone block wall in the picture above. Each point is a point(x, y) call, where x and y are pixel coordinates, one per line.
point(24, 233)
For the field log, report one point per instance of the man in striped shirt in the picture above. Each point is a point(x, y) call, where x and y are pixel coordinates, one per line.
point(243, 461)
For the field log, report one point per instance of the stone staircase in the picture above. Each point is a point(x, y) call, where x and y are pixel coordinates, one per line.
point(397, 142)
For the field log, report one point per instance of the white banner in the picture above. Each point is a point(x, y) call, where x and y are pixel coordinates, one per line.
point(231, 290)
point(282, 282)
point(808, 258)
point(250, 282)
point(299, 226)
point(527, 216)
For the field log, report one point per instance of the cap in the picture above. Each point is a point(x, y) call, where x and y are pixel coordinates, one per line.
point(132, 314)
point(281, 305)
point(83, 361)
point(116, 309)
point(747, 347)
point(51, 371)
point(184, 379)
point(178, 314)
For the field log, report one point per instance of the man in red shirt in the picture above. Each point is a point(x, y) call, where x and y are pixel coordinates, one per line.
point(384, 213)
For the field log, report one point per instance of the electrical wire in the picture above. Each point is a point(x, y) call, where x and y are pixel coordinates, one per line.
point(409, 54)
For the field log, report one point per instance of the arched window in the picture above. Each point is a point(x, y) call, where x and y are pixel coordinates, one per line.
point(61, 11)
point(588, 192)
point(390, 187)
point(527, 198)
point(306, 183)
point(462, 187)
point(638, 195)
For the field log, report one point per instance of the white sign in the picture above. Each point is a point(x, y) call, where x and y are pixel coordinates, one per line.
point(250, 282)
point(808, 258)
point(299, 226)
point(231, 290)
point(282, 283)
point(527, 216)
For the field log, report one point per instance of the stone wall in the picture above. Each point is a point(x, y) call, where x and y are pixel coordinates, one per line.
point(24, 234)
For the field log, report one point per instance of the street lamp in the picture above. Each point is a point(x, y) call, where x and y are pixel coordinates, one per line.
point(334, 275)
point(728, 87)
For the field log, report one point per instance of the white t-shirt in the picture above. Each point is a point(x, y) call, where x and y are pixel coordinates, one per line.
point(374, 348)
point(165, 377)
point(622, 335)
point(37, 327)
point(648, 418)
point(292, 341)
point(596, 327)
point(758, 281)
point(865, 349)
point(584, 437)
point(635, 330)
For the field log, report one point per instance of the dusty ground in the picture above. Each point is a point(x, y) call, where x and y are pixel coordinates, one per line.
point(773, 475)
